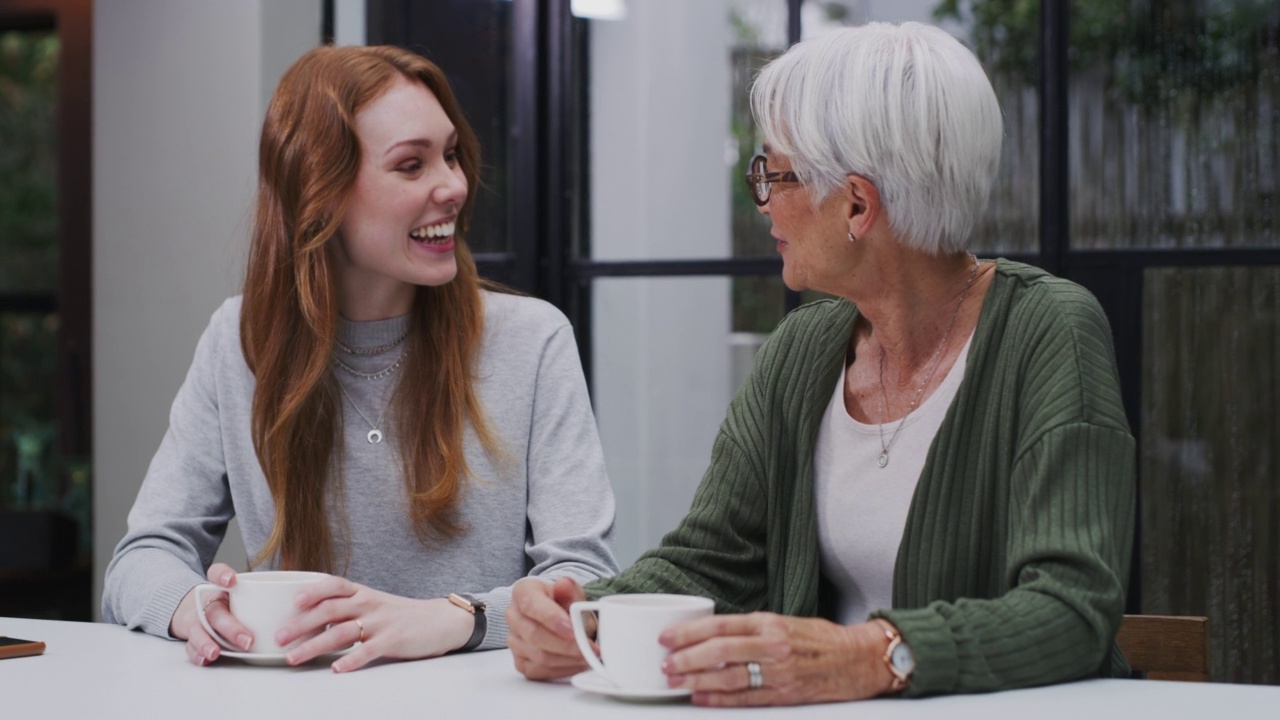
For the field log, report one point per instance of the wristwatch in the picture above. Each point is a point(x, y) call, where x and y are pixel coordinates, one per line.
point(897, 656)
point(476, 608)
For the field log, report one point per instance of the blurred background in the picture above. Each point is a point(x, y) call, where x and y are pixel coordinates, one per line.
point(1141, 159)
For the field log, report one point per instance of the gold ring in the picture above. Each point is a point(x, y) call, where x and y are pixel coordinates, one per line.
point(205, 609)
point(361, 626)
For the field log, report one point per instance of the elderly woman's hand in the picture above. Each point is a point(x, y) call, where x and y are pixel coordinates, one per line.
point(802, 660)
point(539, 633)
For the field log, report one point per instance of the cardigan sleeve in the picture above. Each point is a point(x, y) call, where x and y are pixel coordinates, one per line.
point(719, 549)
point(1069, 530)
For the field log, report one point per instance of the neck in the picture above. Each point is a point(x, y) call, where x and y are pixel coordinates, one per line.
point(909, 299)
point(365, 299)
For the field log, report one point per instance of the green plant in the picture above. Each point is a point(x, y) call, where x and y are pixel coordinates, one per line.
point(28, 218)
point(1150, 52)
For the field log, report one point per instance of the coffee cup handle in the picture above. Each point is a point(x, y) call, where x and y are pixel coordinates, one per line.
point(204, 621)
point(580, 634)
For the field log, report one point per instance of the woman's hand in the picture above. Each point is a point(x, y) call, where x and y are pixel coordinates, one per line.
point(538, 629)
point(802, 660)
point(342, 613)
point(185, 624)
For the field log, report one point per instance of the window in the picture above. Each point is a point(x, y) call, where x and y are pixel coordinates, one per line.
point(45, 471)
point(1140, 160)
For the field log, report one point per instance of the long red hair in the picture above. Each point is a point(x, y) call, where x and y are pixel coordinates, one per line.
point(308, 159)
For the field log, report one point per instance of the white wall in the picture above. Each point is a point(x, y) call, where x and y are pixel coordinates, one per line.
point(180, 89)
point(660, 94)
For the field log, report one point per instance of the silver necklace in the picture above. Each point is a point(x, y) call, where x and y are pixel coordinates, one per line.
point(883, 460)
point(375, 434)
point(373, 350)
point(374, 375)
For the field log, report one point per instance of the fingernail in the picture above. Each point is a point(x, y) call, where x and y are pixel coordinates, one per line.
point(666, 666)
point(339, 667)
point(291, 658)
point(226, 579)
point(244, 641)
point(666, 639)
point(210, 652)
point(675, 680)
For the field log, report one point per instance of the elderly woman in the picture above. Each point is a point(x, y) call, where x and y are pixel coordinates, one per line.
point(926, 485)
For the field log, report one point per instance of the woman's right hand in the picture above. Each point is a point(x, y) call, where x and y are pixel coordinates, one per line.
point(185, 625)
point(539, 633)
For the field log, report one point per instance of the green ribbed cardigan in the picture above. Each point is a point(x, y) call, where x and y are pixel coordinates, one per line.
point(1013, 565)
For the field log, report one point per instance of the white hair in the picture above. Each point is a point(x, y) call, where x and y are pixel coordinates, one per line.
point(906, 106)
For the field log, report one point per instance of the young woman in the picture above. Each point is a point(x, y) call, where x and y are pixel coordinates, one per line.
point(369, 407)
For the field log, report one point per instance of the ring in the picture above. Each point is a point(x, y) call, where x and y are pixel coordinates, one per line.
point(755, 678)
point(361, 626)
point(205, 609)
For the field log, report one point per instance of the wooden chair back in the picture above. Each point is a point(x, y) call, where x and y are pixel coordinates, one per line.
point(1166, 647)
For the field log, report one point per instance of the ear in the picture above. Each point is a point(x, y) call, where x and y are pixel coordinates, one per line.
point(864, 204)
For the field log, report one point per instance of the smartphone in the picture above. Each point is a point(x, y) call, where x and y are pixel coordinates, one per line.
point(13, 647)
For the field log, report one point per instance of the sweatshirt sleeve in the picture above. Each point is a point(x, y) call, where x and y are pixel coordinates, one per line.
point(1070, 522)
point(570, 502)
point(181, 513)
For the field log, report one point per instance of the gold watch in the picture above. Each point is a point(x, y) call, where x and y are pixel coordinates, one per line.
point(898, 656)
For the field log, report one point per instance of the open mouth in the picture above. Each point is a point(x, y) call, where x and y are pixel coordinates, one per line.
point(438, 234)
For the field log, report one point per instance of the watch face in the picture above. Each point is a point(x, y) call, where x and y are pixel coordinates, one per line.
point(903, 659)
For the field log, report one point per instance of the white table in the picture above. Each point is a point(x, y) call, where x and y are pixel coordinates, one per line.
point(94, 670)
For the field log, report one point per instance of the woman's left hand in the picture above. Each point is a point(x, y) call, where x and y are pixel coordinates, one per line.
point(802, 660)
point(385, 625)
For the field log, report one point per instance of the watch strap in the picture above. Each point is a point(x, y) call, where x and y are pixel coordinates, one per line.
point(477, 610)
point(900, 679)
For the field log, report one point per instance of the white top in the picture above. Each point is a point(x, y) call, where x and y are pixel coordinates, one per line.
point(862, 507)
point(93, 670)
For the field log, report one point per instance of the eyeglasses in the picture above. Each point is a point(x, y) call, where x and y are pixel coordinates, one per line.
point(760, 179)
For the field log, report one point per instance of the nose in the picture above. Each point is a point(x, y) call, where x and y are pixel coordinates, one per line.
point(452, 189)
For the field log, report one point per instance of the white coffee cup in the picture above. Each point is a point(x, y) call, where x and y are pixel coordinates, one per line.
point(629, 625)
point(263, 602)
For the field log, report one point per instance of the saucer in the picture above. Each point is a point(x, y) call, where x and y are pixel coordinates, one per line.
point(594, 682)
point(277, 659)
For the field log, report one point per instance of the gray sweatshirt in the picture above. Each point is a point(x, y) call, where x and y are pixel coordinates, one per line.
point(547, 511)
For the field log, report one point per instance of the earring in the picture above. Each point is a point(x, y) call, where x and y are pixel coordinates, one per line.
point(852, 239)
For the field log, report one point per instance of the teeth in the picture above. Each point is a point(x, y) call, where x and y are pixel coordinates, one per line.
point(439, 230)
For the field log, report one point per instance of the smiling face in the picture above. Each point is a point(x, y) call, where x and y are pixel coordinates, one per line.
point(398, 230)
point(812, 238)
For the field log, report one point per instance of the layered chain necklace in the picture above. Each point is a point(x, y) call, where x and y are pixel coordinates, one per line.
point(883, 460)
point(375, 434)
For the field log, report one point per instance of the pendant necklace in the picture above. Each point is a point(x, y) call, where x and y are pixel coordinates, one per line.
point(883, 460)
point(375, 433)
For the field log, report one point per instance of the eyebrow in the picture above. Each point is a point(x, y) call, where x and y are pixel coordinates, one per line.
point(421, 142)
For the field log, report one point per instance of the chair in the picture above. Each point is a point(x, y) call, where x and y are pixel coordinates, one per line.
point(1166, 647)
